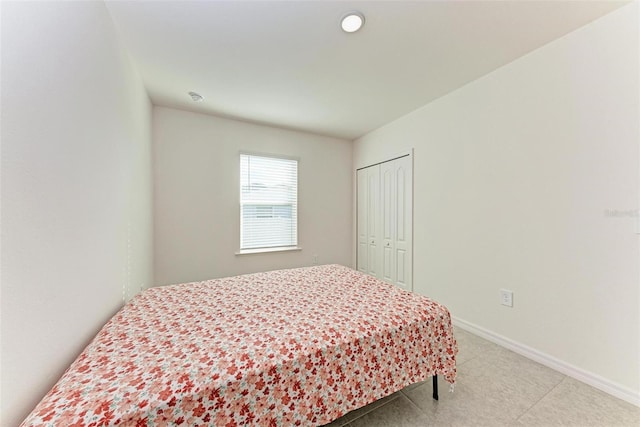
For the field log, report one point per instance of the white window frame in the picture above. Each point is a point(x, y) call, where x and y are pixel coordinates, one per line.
point(245, 251)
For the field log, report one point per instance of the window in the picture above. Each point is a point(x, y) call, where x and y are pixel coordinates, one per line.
point(268, 202)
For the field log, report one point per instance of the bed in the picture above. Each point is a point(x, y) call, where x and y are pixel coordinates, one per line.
point(288, 347)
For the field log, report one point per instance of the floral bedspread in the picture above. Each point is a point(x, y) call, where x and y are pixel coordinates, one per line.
point(287, 347)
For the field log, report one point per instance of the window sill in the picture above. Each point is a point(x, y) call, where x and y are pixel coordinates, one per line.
point(268, 250)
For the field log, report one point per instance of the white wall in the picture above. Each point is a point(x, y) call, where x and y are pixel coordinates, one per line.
point(514, 175)
point(197, 208)
point(76, 190)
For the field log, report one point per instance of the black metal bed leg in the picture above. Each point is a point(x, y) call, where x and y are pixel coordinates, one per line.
point(435, 387)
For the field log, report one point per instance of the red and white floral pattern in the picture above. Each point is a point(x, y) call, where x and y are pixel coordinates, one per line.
point(288, 347)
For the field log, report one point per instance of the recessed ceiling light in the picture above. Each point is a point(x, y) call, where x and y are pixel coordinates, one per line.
point(196, 96)
point(352, 22)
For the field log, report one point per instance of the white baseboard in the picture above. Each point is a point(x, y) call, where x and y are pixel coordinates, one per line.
point(594, 380)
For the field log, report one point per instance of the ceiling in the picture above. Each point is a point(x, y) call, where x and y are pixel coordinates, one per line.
point(288, 63)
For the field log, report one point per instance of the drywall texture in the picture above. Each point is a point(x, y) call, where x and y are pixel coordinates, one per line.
point(197, 196)
point(527, 179)
point(76, 190)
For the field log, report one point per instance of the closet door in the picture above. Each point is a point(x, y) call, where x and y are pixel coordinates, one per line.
point(402, 202)
point(385, 221)
point(396, 198)
point(388, 213)
point(362, 218)
point(369, 220)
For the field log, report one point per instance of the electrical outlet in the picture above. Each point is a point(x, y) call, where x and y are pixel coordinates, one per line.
point(506, 297)
point(315, 259)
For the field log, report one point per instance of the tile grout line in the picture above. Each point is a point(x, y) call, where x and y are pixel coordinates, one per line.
point(374, 409)
point(564, 377)
point(470, 358)
point(414, 405)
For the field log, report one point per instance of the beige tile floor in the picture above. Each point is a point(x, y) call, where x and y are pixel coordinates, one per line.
point(496, 387)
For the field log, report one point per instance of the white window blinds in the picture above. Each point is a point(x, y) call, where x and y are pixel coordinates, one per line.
point(268, 202)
